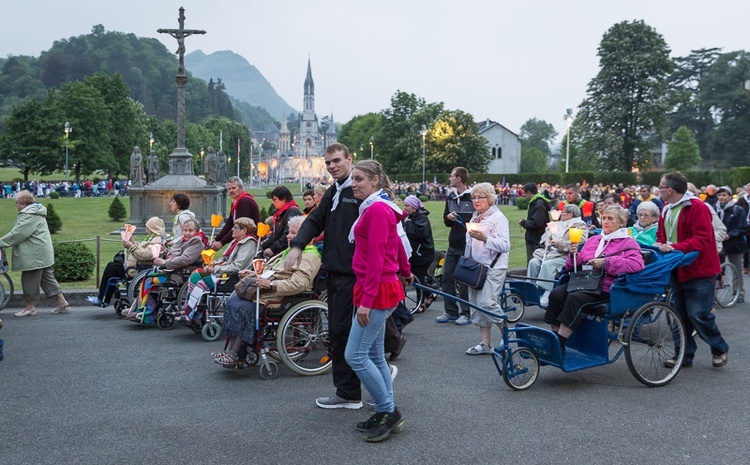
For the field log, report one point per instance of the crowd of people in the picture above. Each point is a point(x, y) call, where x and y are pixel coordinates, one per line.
point(85, 188)
point(370, 245)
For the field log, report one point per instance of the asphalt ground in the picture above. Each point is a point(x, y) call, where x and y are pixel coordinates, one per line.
point(89, 388)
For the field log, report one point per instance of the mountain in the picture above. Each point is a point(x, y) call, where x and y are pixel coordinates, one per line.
point(243, 81)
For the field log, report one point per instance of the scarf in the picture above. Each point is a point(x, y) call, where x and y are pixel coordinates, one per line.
point(607, 238)
point(229, 250)
point(382, 196)
point(283, 208)
point(670, 224)
point(720, 210)
point(237, 201)
point(340, 186)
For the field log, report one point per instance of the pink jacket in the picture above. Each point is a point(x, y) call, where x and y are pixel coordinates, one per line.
point(620, 256)
point(379, 255)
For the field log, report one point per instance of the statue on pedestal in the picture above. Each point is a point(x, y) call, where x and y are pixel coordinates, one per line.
point(136, 167)
point(153, 167)
point(221, 168)
point(210, 167)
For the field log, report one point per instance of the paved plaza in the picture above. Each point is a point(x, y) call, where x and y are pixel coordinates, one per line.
point(89, 388)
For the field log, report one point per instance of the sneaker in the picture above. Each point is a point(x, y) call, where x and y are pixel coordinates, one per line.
point(544, 299)
point(671, 363)
point(367, 425)
point(479, 349)
point(384, 425)
point(463, 320)
point(446, 318)
point(336, 401)
point(720, 360)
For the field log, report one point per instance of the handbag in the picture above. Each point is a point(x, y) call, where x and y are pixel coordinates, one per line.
point(586, 280)
point(472, 273)
point(246, 288)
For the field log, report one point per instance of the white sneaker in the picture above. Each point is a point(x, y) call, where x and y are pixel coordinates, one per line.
point(394, 372)
point(544, 299)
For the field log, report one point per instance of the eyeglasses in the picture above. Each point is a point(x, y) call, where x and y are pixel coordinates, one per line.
point(478, 197)
point(643, 215)
point(664, 187)
point(237, 227)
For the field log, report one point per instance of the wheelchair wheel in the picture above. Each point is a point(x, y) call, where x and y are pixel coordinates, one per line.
point(182, 297)
point(121, 307)
point(728, 285)
point(165, 320)
point(302, 339)
point(513, 307)
point(655, 335)
point(414, 296)
point(211, 331)
point(7, 284)
point(522, 370)
point(134, 286)
point(269, 370)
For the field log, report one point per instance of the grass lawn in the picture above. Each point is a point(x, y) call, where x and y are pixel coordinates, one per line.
point(85, 218)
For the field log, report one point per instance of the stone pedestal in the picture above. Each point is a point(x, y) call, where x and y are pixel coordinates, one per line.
point(153, 200)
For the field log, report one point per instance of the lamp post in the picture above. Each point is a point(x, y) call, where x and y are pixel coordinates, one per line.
point(202, 167)
point(569, 120)
point(423, 131)
point(68, 130)
point(372, 148)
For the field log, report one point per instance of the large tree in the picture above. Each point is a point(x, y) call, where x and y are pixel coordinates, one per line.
point(533, 160)
point(356, 133)
point(454, 140)
point(538, 134)
point(626, 107)
point(682, 153)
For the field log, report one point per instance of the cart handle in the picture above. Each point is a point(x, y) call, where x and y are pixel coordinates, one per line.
point(502, 316)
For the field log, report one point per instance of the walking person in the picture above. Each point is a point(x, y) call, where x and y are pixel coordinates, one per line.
point(335, 215)
point(734, 218)
point(685, 225)
point(458, 211)
point(33, 254)
point(536, 220)
point(379, 264)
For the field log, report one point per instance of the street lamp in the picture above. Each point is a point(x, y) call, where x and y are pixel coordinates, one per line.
point(423, 131)
point(568, 119)
point(150, 142)
point(202, 167)
point(68, 130)
point(371, 147)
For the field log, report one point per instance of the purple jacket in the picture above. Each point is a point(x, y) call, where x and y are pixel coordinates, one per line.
point(620, 256)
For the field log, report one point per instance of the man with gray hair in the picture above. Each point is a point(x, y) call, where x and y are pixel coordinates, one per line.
point(243, 206)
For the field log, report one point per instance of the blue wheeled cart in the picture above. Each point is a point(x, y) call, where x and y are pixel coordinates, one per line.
point(636, 321)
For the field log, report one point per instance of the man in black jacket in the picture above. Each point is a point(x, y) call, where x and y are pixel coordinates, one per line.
point(335, 216)
point(458, 211)
point(536, 220)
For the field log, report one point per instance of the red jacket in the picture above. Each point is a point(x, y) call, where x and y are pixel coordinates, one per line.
point(694, 233)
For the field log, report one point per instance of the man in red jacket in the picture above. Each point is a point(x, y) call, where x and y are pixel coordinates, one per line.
point(685, 225)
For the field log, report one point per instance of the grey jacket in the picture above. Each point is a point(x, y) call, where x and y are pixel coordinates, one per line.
point(30, 239)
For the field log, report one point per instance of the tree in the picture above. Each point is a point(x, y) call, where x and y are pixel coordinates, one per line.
point(356, 133)
point(625, 110)
point(117, 211)
point(54, 222)
point(682, 152)
point(454, 140)
point(538, 134)
point(533, 160)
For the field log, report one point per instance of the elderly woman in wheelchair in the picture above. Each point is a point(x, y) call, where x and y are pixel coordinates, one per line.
point(236, 257)
point(601, 259)
point(184, 256)
point(275, 284)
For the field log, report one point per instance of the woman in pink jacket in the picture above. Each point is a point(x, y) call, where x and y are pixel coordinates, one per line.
point(379, 258)
point(613, 251)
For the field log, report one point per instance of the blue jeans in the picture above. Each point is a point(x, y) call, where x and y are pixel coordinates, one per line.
point(449, 285)
point(365, 354)
point(692, 302)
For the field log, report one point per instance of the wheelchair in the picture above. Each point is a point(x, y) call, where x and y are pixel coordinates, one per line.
point(126, 289)
point(166, 296)
point(211, 307)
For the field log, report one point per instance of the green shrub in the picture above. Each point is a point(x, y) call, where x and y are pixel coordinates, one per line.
point(522, 203)
point(402, 196)
point(424, 198)
point(54, 195)
point(263, 214)
point(117, 211)
point(73, 262)
point(269, 194)
point(54, 222)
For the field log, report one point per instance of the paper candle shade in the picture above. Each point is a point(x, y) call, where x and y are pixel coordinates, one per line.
point(208, 256)
point(155, 250)
point(216, 220)
point(555, 215)
point(575, 235)
point(258, 265)
point(553, 227)
point(263, 229)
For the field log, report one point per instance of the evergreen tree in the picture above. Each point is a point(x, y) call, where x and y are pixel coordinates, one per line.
point(683, 151)
point(117, 211)
point(54, 222)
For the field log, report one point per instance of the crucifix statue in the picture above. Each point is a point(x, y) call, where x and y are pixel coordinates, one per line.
point(180, 35)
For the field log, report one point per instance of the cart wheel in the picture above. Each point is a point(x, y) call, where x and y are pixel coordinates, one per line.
point(522, 370)
point(728, 285)
point(251, 358)
point(211, 331)
point(7, 284)
point(655, 335)
point(165, 320)
point(514, 307)
point(121, 307)
point(269, 370)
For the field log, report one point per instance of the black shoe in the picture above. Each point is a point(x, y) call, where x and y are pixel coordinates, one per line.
point(396, 353)
point(720, 360)
point(385, 424)
point(671, 363)
point(367, 425)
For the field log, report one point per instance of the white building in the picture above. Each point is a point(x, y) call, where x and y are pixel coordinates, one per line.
point(504, 147)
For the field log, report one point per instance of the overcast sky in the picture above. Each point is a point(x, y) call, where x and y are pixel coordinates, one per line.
point(504, 60)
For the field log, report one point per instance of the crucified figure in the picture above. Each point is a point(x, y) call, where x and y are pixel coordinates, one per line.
point(180, 35)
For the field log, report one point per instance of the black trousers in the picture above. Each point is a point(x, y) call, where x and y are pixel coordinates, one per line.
point(566, 308)
point(340, 313)
point(112, 270)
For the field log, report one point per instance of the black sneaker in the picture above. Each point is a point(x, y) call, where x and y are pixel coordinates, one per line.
point(367, 425)
point(671, 363)
point(385, 424)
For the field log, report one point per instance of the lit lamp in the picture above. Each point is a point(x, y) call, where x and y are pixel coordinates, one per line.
point(575, 238)
point(569, 120)
point(68, 130)
point(372, 148)
point(555, 215)
point(423, 131)
point(150, 142)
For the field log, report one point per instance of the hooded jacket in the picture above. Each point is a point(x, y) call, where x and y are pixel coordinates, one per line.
point(419, 232)
point(30, 239)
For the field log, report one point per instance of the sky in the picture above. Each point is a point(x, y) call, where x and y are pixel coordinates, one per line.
point(508, 61)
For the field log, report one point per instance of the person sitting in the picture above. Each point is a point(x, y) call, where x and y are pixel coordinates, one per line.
point(236, 257)
point(286, 208)
point(645, 196)
point(138, 253)
point(613, 252)
point(418, 230)
point(239, 316)
point(549, 259)
point(644, 230)
point(185, 254)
